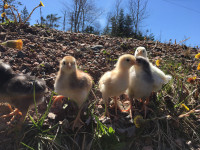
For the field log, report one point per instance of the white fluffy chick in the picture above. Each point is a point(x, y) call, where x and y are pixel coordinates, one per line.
point(141, 51)
point(73, 83)
point(141, 79)
point(160, 78)
point(115, 82)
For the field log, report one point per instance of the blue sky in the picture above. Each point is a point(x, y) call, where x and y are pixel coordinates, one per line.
point(168, 19)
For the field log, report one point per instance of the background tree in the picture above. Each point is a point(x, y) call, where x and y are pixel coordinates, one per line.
point(128, 26)
point(64, 12)
point(25, 14)
point(52, 21)
point(8, 11)
point(82, 13)
point(137, 9)
point(91, 30)
point(120, 24)
point(117, 8)
point(113, 26)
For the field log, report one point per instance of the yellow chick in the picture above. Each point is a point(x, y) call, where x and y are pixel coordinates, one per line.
point(115, 82)
point(160, 78)
point(73, 83)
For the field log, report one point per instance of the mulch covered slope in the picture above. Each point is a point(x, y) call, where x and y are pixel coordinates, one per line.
point(44, 48)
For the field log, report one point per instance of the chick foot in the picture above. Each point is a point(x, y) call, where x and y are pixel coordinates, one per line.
point(130, 109)
point(13, 113)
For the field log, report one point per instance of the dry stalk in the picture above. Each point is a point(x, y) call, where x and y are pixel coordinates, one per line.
point(183, 40)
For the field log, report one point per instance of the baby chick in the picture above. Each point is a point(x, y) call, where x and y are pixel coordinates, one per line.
point(18, 90)
point(141, 80)
point(160, 78)
point(141, 51)
point(115, 82)
point(73, 83)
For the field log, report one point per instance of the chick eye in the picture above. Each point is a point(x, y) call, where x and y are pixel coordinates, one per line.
point(64, 63)
point(127, 60)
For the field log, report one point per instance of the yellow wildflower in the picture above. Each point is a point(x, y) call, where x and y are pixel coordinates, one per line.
point(137, 121)
point(41, 4)
point(186, 108)
point(198, 67)
point(6, 6)
point(197, 56)
point(3, 14)
point(158, 62)
point(18, 44)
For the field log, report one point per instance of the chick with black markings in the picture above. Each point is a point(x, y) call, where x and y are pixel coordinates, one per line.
point(141, 81)
point(18, 90)
point(160, 78)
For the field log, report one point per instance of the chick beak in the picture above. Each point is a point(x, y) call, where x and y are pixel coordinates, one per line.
point(69, 66)
point(134, 61)
point(140, 53)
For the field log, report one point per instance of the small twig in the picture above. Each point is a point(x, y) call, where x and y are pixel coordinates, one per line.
point(94, 94)
point(184, 40)
point(20, 20)
point(191, 111)
point(13, 14)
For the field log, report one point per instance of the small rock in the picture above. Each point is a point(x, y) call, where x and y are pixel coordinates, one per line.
point(51, 116)
point(20, 54)
point(97, 47)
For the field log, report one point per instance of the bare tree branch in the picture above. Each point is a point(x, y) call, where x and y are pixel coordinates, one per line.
point(82, 13)
point(137, 9)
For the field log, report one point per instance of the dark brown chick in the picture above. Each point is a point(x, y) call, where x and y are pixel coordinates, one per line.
point(18, 90)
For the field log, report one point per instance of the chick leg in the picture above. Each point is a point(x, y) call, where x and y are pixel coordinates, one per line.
point(57, 101)
point(106, 113)
point(145, 108)
point(78, 122)
point(106, 110)
point(116, 106)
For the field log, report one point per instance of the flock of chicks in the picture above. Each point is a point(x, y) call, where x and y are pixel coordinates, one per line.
point(133, 75)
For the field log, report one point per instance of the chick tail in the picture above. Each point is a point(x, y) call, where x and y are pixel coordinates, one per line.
point(167, 78)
